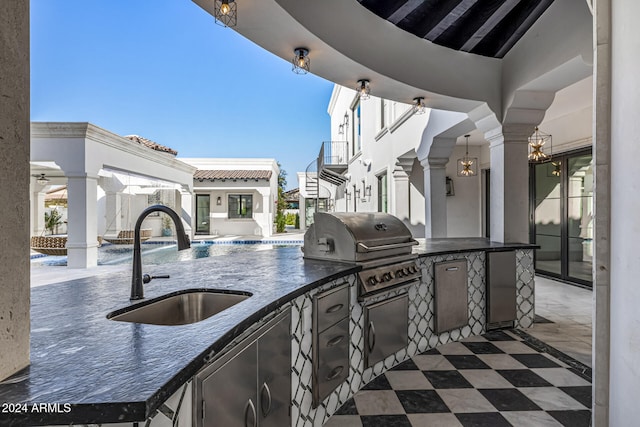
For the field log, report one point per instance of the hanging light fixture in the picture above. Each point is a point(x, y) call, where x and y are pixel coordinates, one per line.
point(467, 166)
point(225, 12)
point(536, 144)
point(301, 61)
point(363, 89)
point(418, 105)
point(42, 180)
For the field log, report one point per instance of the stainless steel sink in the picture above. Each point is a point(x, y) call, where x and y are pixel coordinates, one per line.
point(180, 308)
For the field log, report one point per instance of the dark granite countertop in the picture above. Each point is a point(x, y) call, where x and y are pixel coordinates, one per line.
point(117, 371)
point(429, 247)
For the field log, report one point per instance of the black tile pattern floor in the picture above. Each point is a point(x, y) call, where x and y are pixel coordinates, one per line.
point(503, 378)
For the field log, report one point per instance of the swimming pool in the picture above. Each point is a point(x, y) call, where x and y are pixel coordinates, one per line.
point(156, 253)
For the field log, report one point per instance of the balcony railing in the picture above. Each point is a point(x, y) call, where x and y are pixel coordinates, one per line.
point(333, 153)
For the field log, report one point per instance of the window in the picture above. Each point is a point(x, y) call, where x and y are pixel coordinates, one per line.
point(383, 113)
point(240, 206)
point(382, 193)
point(357, 137)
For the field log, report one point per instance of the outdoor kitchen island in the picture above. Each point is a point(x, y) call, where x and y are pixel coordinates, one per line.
point(91, 369)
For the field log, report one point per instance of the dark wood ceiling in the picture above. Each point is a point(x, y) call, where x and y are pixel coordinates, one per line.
point(484, 27)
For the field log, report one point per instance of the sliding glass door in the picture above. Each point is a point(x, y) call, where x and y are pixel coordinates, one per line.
point(562, 220)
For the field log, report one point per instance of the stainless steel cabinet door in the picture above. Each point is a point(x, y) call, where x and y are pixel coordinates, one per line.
point(229, 394)
point(274, 375)
point(386, 328)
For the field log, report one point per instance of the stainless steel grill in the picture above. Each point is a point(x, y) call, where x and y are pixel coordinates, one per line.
point(380, 242)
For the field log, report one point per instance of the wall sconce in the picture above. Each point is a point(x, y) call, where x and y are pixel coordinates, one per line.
point(367, 191)
point(536, 143)
point(419, 106)
point(467, 166)
point(225, 12)
point(346, 119)
point(357, 193)
point(347, 195)
point(449, 186)
point(341, 129)
point(219, 201)
point(301, 61)
point(42, 180)
point(363, 89)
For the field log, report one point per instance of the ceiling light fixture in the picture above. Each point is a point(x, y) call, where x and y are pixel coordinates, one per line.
point(467, 166)
point(42, 180)
point(536, 144)
point(419, 106)
point(225, 12)
point(363, 89)
point(301, 61)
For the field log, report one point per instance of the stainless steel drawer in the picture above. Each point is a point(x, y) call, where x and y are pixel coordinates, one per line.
point(331, 306)
point(331, 366)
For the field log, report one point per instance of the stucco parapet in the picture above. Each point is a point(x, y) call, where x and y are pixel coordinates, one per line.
point(102, 136)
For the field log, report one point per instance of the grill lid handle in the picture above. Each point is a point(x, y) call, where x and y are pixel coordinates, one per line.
point(364, 248)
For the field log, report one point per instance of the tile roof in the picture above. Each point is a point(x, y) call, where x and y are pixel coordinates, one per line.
point(211, 175)
point(150, 144)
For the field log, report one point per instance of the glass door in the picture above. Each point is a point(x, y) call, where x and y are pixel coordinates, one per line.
point(202, 214)
point(562, 216)
point(580, 217)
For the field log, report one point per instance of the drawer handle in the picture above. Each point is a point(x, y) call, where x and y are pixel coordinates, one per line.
point(335, 340)
point(252, 407)
point(334, 308)
point(265, 391)
point(372, 337)
point(335, 372)
point(452, 269)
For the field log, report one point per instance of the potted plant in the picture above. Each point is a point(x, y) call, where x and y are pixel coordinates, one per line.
point(166, 226)
point(52, 220)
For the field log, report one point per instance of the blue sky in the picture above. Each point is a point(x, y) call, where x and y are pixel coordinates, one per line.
point(163, 70)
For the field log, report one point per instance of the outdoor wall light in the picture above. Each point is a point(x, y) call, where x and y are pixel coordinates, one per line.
point(367, 191)
point(536, 143)
point(301, 61)
point(219, 201)
point(346, 119)
point(467, 166)
point(225, 12)
point(341, 129)
point(418, 105)
point(363, 89)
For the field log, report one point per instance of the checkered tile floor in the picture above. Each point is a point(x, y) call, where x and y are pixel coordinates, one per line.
point(503, 378)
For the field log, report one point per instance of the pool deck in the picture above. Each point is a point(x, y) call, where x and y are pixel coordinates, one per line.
point(45, 275)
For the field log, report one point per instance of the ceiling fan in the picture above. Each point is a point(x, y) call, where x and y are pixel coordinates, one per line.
point(41, 179)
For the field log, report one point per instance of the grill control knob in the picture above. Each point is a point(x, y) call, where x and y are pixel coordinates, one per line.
point(406, 271)
point(414, 269)
point(372, 281)
point(400, 273)
point(379, 278)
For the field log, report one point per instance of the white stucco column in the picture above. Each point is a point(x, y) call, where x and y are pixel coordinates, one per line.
point(37, 207)
point(265, 220)
point(82, 244)
point(112, 212)
point(400, 193)
point(435, 212)
point(509, 202)
point(618, 41)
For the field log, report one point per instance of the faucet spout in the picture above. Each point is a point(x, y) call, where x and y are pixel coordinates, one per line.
point(137, 291)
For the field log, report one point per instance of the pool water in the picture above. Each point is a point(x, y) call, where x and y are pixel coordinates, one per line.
point(156, 254)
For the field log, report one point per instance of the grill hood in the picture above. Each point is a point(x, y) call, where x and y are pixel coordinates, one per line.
point(357, 237)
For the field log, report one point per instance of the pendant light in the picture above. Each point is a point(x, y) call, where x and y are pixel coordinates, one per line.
point(537, 142)
point(419, 106)
point(363, 89)
point(301, 61)
point(467, 166)
point(225, 12)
